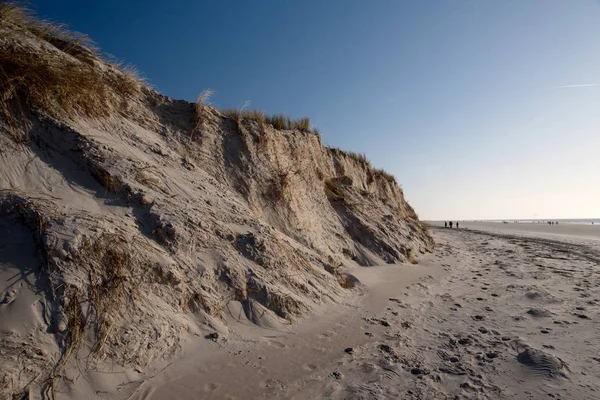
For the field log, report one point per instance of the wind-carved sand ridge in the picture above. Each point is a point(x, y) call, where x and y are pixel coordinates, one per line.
point(133, 225)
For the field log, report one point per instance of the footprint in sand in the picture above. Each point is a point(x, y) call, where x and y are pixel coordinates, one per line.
point(279, 345)
point(211, 387)
point(542, 363)
point(310, 367)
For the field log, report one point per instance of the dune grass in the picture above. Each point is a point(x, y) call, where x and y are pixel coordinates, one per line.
point(278, 121)
point(200, 109)
point(51, 82)
point(362, 159)
point(17, 16)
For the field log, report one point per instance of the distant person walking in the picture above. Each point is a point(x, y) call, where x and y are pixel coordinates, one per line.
point(456, 224)
point(445, 224)
point(450, 224)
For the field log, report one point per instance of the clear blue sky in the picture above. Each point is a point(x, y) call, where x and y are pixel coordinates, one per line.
point(470, 104)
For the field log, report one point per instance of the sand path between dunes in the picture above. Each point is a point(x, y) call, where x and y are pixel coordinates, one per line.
point(487, 315)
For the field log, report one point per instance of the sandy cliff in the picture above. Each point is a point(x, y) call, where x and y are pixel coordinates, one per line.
point(127, 217)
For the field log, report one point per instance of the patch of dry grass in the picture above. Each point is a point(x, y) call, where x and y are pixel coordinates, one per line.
point(279, 121)
point(71, 342)
point(302, 124)
point(63, 87)
point(110, 270)
point(200, 108)
point(362, 159)
point(386, 175)
point(17, 16)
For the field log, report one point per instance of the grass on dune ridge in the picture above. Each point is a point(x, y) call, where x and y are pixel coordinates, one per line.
point(67, 87)
point(45, 80)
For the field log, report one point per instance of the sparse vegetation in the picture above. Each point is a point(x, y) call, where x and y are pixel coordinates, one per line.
point(362, 159)
point(386, 175)
point(200, 109)
point(255, 115)
point(16, 16)
point(302, 124)
point(280, 184)
point(34, 80)
point(110, 270)
point(238, 114)
point(71, 342)
point(279, 121)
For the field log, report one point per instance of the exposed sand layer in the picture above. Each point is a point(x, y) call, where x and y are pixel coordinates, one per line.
point(487, 315)
point(132, 223)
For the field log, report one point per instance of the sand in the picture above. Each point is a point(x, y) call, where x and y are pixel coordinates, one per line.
point(487, 315)
point(168, 250)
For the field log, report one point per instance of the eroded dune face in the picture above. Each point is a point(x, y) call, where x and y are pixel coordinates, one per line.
point(129, 216)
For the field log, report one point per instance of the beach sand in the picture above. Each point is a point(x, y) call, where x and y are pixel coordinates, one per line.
point(493, 313)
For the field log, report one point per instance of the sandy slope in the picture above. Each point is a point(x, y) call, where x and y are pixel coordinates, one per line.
point(488, 315)
point(131, 222)
point(271, 363)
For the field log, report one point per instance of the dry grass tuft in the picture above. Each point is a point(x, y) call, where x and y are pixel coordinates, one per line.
point(110, 269)
point(386, 175)
point(18, 17)
point(362, 159)
point(237, 115)
point(279, 121)
point(34, 80)
point(233, 113)
point(255, 115)
point(200, 108)
point(72, 341)
point(302, 124)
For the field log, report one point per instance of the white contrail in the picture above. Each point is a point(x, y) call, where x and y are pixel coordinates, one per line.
point(580, 85)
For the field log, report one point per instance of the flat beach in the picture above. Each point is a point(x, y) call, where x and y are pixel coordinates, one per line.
point(496, 311)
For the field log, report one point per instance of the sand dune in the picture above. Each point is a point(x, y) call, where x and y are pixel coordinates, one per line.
point(132, 225)
point(152, 248)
